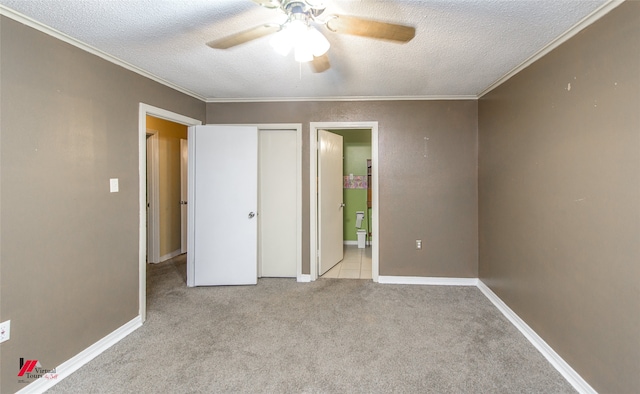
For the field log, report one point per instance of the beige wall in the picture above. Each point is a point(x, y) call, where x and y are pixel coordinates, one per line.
point(559, 199)
point(433, 198)
point(69, 248)
point(169, 135)
point(558, 193)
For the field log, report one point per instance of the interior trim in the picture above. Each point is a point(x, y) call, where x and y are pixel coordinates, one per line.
point(313, 192)
point(169, 256)
point(547, 351)
point(143, 111)
point(423, 280)
point(304, 278)
point(342, 98)
point(74, 363)
point(575, 29)
point(70, 366)
point(9, 13)
point(586, 21)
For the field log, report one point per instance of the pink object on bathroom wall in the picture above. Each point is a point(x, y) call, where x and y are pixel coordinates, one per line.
point(358, 182)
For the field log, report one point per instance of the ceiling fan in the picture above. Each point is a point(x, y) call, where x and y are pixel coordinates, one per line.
point(297, 33)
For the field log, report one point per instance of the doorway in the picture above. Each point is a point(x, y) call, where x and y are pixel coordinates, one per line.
point(166, 188)
point(354, 188)
point(143, 111)
point(315, 229)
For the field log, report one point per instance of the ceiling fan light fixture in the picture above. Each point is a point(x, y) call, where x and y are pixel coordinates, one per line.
point(303, 53)
point(296, 30)
point(298, 33)
point(317, 42)
point(281, 43)
point(290, 36)
point(306, 41)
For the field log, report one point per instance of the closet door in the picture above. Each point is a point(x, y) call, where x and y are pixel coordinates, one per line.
point(278, 184)
point(223, 180)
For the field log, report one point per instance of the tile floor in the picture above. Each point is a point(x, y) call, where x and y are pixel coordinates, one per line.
point(356, 264)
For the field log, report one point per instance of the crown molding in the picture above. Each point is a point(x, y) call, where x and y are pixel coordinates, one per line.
point(340, 98)
point(575, 29)
point(5, 11)
point(25, 20)
point(586, 21)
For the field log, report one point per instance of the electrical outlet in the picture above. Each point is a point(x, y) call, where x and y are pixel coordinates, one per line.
point(5, 330)
point(418, 244)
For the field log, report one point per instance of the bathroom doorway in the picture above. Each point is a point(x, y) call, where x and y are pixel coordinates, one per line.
point(360, 198)
point(356, 197)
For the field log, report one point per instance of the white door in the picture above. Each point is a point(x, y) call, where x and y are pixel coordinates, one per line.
point(184, 192)
point(278, 206)
point(330, 204)
point(153, 198)
point(224, 173)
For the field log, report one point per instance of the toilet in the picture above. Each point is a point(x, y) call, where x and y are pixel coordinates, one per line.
point(362, 238)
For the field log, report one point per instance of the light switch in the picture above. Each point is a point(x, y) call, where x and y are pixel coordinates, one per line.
point(113, 185)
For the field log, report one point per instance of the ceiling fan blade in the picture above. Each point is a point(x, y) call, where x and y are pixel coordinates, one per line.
point(369, 28)
point(320, 64)
point(244, 36)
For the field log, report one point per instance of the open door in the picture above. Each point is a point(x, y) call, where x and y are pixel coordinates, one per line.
point(153, 198)
point(223, 183)
point(184, 193)
point(330, 204)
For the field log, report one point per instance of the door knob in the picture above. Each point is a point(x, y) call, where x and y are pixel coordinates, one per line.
point(251, 215)
point(342, 205)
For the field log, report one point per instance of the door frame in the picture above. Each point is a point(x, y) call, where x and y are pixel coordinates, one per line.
point(143, 111)
point(153, 189)
point(313, 192)
point(298, 129)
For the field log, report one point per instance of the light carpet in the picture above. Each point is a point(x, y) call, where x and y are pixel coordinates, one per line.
point(328, 336)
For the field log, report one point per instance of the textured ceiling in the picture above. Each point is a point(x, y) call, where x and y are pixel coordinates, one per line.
point(461, 46)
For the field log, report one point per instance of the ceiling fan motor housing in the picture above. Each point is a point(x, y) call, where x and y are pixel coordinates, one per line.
point(310, 9)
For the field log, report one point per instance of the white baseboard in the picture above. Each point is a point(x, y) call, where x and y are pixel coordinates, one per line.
point(554, 358)
point(171, 255)
point(70, 366)
point(423, 280)
point(67, 368)
point(349, 242)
